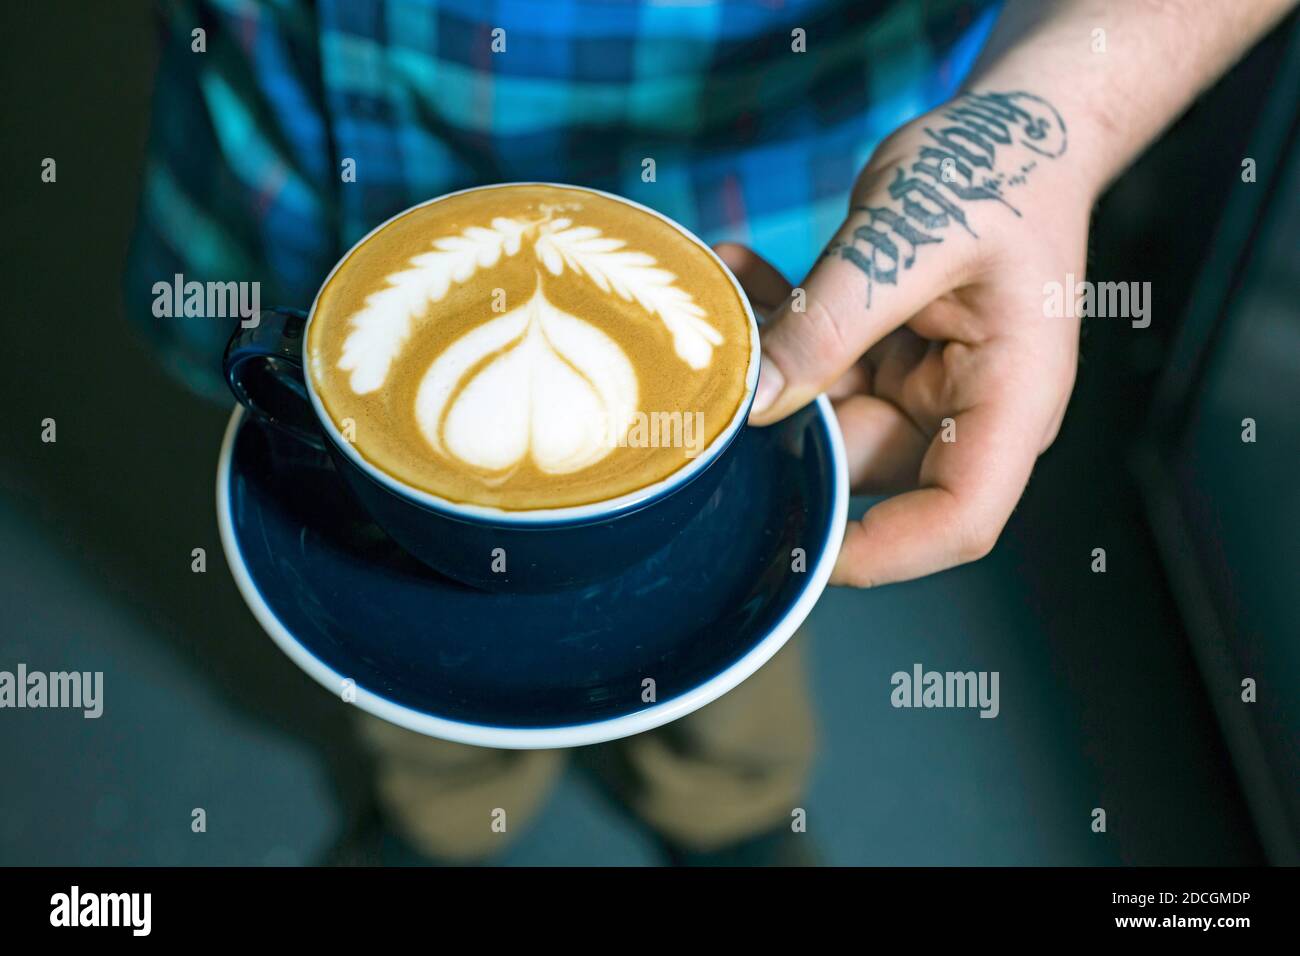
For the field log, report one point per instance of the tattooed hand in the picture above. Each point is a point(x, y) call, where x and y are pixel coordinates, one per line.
point(923, 321)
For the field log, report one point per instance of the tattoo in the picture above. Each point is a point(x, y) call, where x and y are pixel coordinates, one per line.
point(972, 160)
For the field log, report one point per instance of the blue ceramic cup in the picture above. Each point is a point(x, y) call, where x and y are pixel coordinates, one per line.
point(489, 548)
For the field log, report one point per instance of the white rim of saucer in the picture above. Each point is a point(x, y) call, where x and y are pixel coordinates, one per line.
point(542, 738)
point(545, 517)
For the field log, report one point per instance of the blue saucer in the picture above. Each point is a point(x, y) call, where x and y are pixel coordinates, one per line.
point(534, 670)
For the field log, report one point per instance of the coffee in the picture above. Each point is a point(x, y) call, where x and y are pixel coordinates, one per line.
point(529, 346)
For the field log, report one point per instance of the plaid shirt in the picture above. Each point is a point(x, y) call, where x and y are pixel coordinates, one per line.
point(751, 140)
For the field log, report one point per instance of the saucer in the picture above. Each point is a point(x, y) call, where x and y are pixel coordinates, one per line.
point(515, 670)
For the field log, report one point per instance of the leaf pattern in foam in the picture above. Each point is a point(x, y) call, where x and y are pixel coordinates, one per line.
point(634, 277)
point(382, 327)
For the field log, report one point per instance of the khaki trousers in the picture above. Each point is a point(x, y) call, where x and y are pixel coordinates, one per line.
point(730, 770)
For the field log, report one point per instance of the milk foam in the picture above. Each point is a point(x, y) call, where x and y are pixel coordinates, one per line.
point(548, 386)
point(383, 326)
point(381, 329)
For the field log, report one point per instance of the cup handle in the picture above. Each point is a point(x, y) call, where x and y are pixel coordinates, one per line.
point(263, 367)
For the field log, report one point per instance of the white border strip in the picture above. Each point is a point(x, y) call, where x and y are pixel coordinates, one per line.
point(536, 738)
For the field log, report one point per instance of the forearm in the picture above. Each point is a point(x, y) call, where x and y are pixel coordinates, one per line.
point(1118, 71)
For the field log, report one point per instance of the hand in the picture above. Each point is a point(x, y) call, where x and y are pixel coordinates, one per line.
point(924, 322)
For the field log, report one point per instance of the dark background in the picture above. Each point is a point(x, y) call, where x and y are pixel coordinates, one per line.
point(1103, 704)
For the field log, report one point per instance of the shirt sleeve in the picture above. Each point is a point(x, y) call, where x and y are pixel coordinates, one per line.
point(239, 181)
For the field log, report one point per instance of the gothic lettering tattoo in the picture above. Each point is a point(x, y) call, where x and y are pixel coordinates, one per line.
point(987, 146)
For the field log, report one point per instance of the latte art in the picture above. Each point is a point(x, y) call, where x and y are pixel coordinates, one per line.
point(496, 346)
point(553, 387)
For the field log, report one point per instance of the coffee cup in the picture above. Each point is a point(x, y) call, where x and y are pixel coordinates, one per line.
point(528, 386)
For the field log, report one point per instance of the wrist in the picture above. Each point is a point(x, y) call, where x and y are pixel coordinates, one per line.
point(1077, 143)
point(1002, 144)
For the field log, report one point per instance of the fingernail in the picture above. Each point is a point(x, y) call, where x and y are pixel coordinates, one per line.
point(770, 384)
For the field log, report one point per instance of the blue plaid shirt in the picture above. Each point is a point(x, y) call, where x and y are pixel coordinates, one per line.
point(300, 126)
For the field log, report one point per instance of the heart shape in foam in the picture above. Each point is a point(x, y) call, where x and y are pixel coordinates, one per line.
point(542, 385)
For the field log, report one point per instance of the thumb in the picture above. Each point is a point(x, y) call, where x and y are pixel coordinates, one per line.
point(881, 268)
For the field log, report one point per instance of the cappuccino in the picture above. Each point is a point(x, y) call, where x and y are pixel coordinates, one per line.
point(530, 346)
